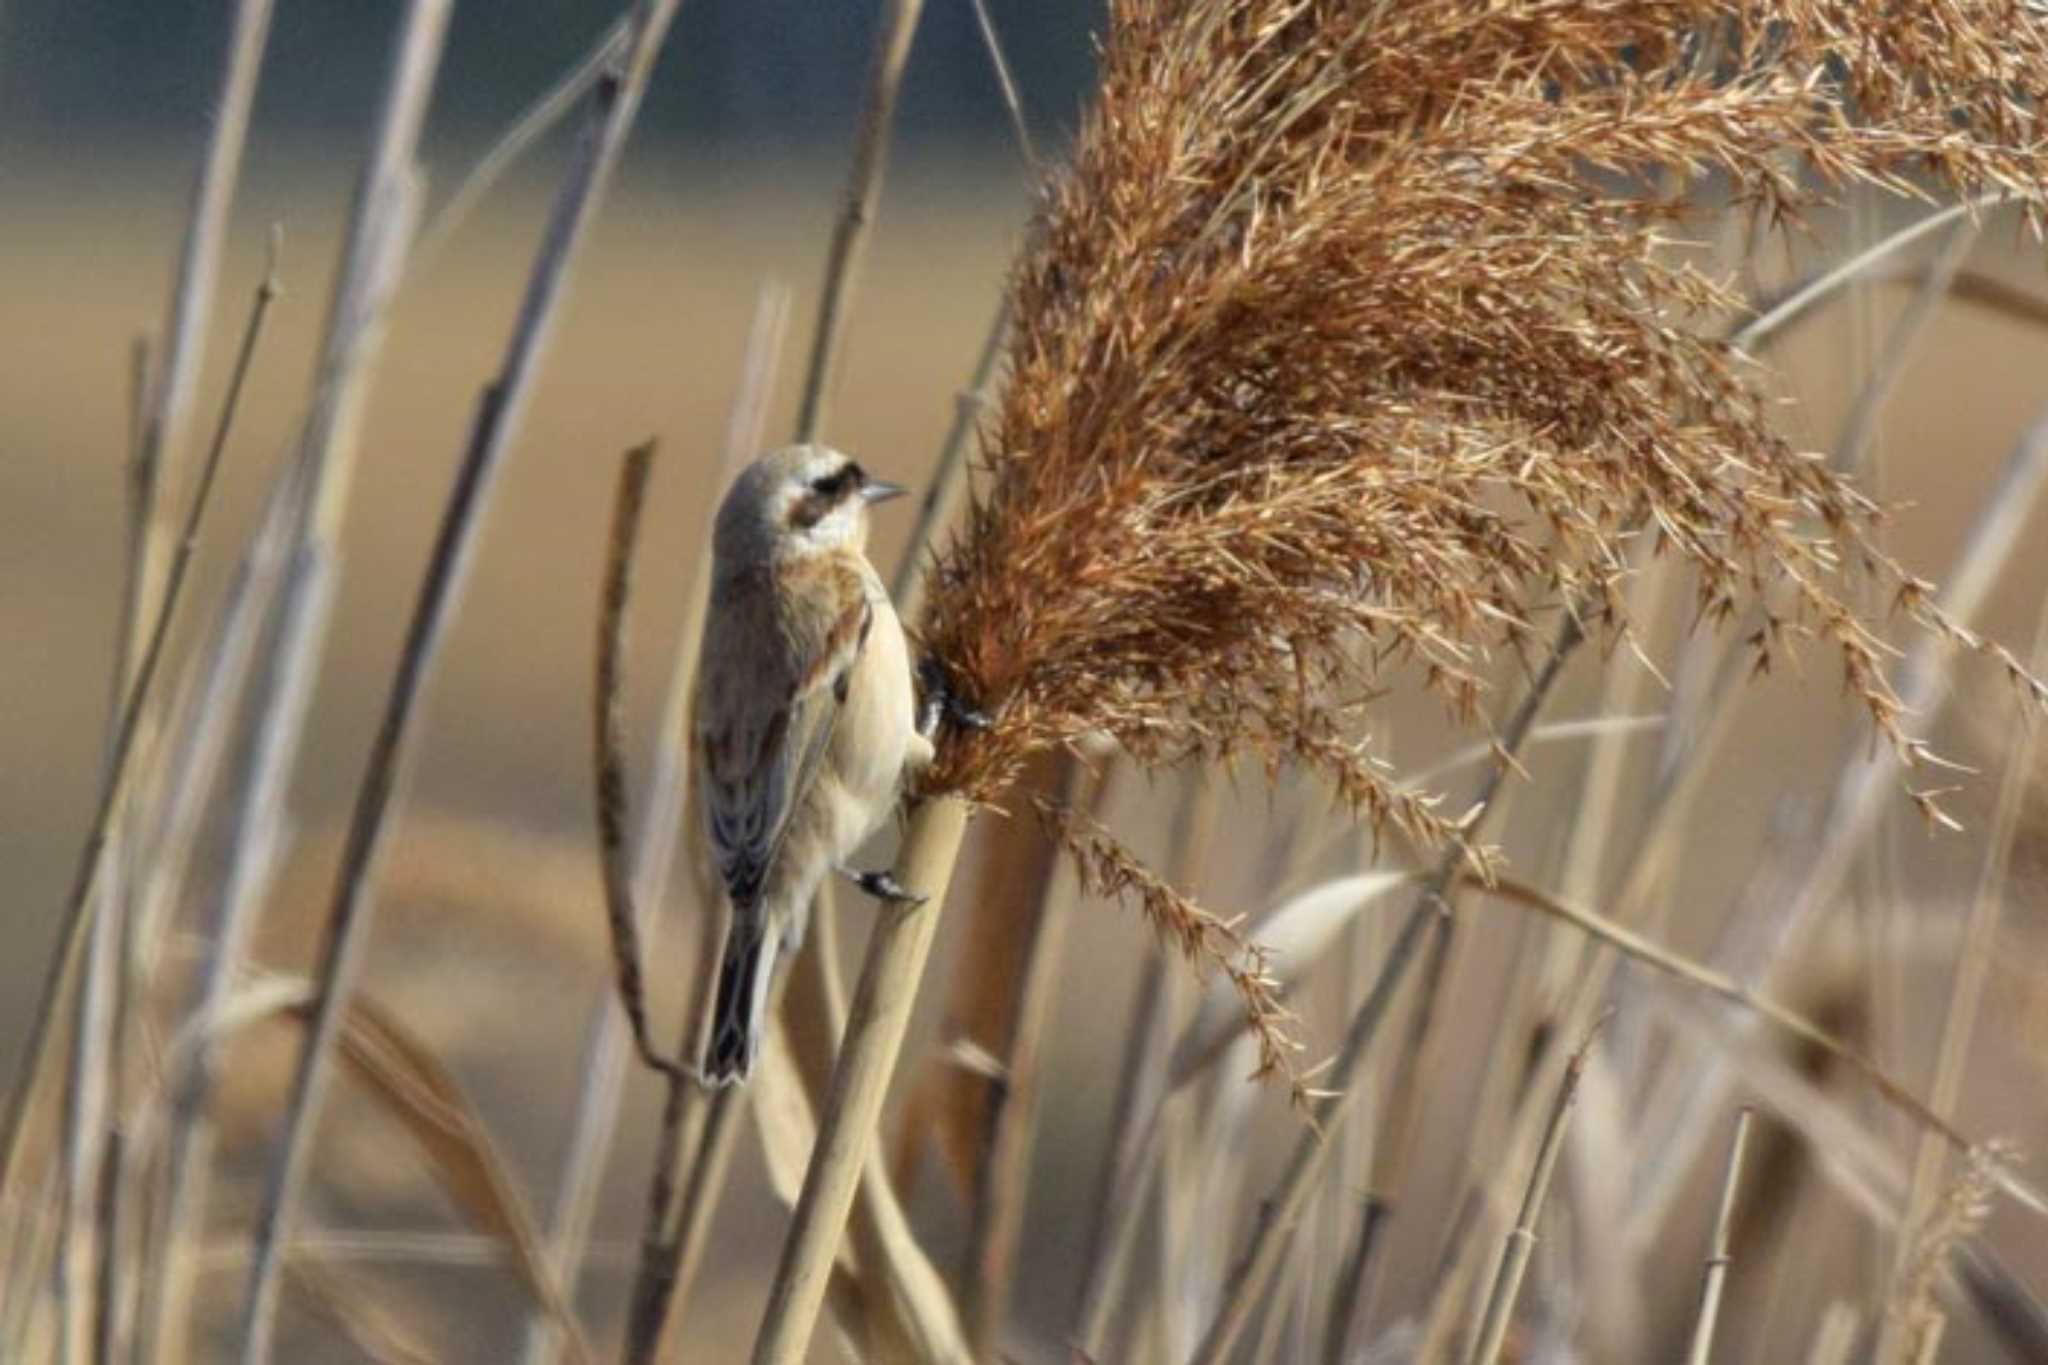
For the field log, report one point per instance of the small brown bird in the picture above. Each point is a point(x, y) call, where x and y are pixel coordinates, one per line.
point(805, 717)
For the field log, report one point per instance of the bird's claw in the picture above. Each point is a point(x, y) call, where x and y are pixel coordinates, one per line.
point(884, 887)
point(939, 702)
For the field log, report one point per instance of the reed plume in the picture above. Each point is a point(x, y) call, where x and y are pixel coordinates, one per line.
point(1358, 337)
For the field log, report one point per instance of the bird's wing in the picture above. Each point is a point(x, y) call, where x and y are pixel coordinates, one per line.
point(753, 786)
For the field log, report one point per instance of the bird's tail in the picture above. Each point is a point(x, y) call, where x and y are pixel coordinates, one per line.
point(740, 1015)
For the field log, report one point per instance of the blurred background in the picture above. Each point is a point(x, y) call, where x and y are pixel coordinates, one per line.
point(491, 941)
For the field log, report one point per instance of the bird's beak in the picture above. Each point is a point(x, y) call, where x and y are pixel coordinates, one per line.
point(881, 490)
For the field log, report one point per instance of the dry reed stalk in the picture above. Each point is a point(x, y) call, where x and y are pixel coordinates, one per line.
point(1281, 1208)
point(669, 1260)
point(876, 1021)
point(1728, 988)
point(1145, 1084)
point(1514, 1257)
point(1966, 993)
point(1718, 1258)
point(1677, 783)
point(895, 1297)
point(149, 607)
point(617, 101)
point(609, 748)
point(597, 1109)
point(948, 481)
point(895, 28)
point(196, 758)
point(94, 1096)
point(997, 1223)
point(1866, 780)
point(1835, 1339)
point(961, 1080)
point(289, 604)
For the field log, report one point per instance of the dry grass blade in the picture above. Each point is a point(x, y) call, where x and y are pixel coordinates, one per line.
point(411, 1085)
point(1718, 1258)
point(1775, 318)
point(1834, 1341)
point(345, 1301)
point(617, 101)
point(1514, 1258)
point(992, 43)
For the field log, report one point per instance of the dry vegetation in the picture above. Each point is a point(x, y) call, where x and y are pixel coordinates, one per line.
point(1361, 362)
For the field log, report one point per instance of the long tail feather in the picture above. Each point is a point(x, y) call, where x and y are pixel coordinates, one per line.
point(740, 1015)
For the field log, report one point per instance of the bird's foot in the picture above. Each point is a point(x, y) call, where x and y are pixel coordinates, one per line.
point(938, 703)
point(884, 887)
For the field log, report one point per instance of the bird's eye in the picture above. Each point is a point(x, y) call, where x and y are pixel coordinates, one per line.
point(839, 480)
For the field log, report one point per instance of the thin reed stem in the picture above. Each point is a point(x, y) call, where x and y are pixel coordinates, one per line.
point(1521, 1243)
point(1718, 1258)
point(1633, 945)
point(551, 108)
point(609, 748)
point(617, 101)
point(876, 1022)
point(1006, 84)
point(196, 763)
point(670, 1260)
point(152, 596)
point(1281, 1209)
point(895, 28)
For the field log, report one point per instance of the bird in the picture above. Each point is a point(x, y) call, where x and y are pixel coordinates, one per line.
point(806, 719)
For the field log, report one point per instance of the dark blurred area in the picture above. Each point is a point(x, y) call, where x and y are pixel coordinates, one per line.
point(772, 77)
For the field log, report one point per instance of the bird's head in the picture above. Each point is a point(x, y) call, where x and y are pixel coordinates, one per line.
point(797, 501)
